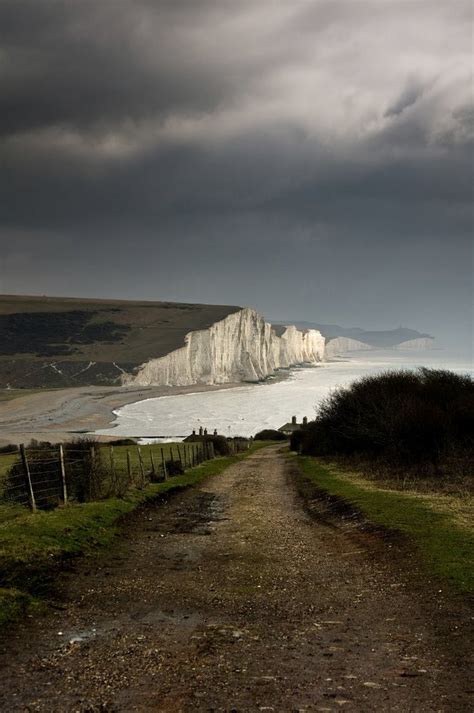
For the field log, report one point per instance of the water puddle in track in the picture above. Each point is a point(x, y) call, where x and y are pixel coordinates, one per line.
point(137, 624)
point(196, 516)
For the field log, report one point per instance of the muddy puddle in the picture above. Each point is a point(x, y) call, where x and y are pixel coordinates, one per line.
point(196, 517)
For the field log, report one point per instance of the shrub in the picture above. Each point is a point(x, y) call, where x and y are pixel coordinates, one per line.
point(174, 467)
point(87, 478)
point(270, 434)
point(296, 441)
point(400, 417)
point(9, 448)
point(239, 444)
point(87, 475)
point(221, 445)
point(45, 478)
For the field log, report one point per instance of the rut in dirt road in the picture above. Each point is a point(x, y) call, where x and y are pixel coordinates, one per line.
point(230, 597)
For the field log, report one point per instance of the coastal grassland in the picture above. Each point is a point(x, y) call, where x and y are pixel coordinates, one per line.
point(148, 451)
point(6, 462)
point(89, 341)
point(34, 547)
point(439, 526)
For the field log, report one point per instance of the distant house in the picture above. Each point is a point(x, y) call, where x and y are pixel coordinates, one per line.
point(293, 426)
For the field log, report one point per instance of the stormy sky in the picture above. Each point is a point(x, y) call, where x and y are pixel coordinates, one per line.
point(311, 158)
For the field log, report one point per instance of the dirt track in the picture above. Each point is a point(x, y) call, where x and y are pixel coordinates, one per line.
point(231, 598)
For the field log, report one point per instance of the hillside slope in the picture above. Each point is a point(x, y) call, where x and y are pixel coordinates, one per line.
point(63, 342)
point(57, 342)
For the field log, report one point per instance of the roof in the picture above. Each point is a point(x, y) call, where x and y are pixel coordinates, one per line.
point(290, 427)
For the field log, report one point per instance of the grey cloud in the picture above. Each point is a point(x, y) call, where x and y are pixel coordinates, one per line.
point(201, 133)
point(93, 65)
point(410, 94)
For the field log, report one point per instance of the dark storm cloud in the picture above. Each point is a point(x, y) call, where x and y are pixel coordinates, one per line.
point(90, 65)
point(83, 64)
point(210, 127)
point(410, 94)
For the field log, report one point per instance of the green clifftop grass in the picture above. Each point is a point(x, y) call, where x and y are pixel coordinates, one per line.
point(439, 526)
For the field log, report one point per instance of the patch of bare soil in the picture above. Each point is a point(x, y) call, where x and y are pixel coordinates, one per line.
point(231, 597)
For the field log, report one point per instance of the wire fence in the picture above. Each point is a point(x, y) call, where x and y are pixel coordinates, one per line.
point(45, 476)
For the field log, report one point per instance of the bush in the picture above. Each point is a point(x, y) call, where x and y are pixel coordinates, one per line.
point(399, 417)
point(221, 445)
point(174, 467)
point(87, 475)
point(9, 448)
point(296, 441)
point(87, 478)
point(239, 444)
point(270, 434)
point(45, 478)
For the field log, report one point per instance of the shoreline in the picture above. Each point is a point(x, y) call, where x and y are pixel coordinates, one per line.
point(63, 414)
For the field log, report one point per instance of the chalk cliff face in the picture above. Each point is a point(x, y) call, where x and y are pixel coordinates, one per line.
point(240, 347)
point(420, 343)
point(339, 345)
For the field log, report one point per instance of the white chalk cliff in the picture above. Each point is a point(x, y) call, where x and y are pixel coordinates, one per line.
point(339, 345)
point(419, 343)
point(240, 347)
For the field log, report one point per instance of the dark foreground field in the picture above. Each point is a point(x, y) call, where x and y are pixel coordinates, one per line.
point(233, 598)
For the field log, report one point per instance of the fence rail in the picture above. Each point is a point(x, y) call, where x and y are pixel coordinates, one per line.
point(42, 478)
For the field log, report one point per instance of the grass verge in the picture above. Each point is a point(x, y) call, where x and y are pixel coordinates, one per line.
point(34, 547)
point(148, 451)
point(436, 525)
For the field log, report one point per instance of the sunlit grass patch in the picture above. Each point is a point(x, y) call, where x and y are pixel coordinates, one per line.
point(439, 526)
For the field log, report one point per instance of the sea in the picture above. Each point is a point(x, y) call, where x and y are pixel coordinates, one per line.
point(247, 409)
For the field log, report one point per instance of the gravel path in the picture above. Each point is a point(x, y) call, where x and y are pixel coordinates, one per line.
point(231, 598)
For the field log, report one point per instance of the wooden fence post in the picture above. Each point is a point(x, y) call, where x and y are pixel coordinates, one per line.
point(152, 463)
point(112, 467)
point(91, 472)
point(163, 461)
point(129, 467)
point(29, 484)
point(140, 460)
point(180, 457)
point(62, 468)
